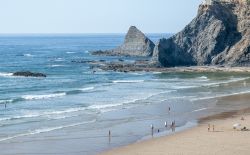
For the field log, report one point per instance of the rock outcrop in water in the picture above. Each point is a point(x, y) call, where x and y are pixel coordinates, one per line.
point(135, 44)
point(29, 74)
point(219, 35)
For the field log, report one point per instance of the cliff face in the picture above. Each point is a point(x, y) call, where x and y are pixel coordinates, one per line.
point(219, 35)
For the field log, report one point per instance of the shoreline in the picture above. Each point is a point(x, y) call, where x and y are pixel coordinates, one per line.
point(197, 136)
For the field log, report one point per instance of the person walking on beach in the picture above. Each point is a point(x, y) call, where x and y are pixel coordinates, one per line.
point(152, 130)
point(208, 129)
point(213, 128)
point(173, 126)
point(166, 124)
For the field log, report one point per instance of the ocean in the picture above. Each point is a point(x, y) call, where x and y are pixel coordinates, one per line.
point(72, 110)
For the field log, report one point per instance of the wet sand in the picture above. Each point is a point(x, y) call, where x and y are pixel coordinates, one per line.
point(223, 140)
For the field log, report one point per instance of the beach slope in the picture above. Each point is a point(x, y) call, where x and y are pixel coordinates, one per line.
point(224, 140)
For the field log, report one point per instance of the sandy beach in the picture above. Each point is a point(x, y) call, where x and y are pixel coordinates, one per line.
point(223, 140)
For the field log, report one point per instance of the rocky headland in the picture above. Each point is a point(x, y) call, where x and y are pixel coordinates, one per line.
point(218, 37)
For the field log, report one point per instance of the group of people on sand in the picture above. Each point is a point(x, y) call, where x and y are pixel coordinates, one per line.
point(209, 128)
point(236, 126)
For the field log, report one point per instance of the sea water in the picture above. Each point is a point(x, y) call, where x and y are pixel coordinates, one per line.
point(76, 108)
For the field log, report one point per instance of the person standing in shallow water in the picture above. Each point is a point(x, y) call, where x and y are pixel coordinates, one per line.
point(109, 136)
point(172, 126)
point(166, 124)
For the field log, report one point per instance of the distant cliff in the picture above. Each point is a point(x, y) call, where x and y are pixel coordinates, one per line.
point(135, 44)
point(219, 35)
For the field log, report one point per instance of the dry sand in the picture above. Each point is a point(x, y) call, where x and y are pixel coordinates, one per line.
point(198, 141)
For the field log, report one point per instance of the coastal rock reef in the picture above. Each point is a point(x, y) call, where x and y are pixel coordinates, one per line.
point(219, 35)
point(29, 74)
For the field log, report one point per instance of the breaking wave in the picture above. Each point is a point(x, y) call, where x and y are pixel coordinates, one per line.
point(28, 55)
point(44, 130)
point(128, 81)
point(39, 97)
point(3, 74)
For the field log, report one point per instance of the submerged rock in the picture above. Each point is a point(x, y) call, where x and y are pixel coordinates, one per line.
point(29, 74)
point(135, 44)
point(219, 35)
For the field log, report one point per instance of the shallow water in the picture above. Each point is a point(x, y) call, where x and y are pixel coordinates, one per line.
point(75, 108)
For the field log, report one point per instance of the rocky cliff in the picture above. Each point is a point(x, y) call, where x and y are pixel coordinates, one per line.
point(219, 35)
point(135, 44)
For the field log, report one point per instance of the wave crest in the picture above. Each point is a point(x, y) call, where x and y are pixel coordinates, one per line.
point(39, 97)
point(3, 74)
point(128, 81)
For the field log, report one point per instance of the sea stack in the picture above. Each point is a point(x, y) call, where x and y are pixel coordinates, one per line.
point(219, 35)
point(135, 44)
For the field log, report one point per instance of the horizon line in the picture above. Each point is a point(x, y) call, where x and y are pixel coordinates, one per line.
point(94, 33)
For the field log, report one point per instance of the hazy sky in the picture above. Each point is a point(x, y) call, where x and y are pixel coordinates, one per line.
point(95, 16)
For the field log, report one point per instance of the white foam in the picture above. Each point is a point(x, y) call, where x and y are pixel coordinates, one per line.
point(184, 87)
point(70, 110)
point(222, 95)
point(87, 88)
point(5, 101)
point(19, 117)
point(199, 109)
point(137, 73)
point(203, 77)
point(3, 74)
point(110, 107)
point(59, 59)
point(39, 97)
point(104, 106)
point(44, 130)
point(59, 117)
point(226, 82)
point(128, 81)
point(57, 65)
point(70, 52)
point(46, 113)
point(157, 72)
point(28, 55)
